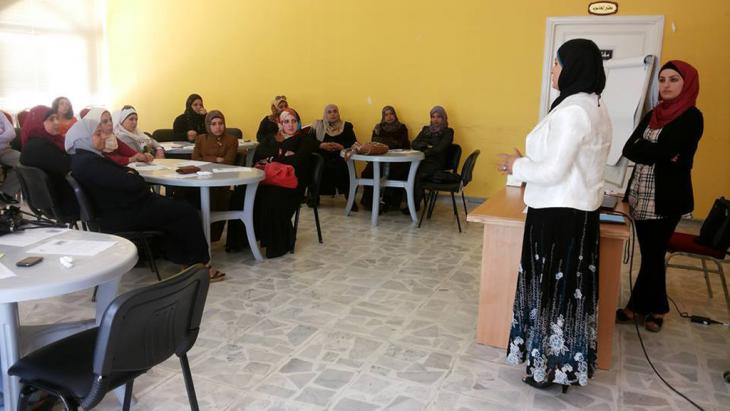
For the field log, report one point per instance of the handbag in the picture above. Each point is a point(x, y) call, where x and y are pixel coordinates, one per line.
point(279, 174)
point(368, 149)
point(187, 170)
point(715, 231)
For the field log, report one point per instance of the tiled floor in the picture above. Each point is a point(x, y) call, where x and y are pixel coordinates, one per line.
point(384, 318)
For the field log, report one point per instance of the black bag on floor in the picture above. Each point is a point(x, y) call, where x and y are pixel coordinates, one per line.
point(715, 231)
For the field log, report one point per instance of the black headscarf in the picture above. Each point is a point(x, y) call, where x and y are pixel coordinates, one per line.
point(582, 69)
point(195, 121)
point(385, 126)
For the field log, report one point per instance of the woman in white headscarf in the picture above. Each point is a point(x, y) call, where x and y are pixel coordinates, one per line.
point(334, 135)
point(116, 150)
point(126, 130)
point(123, 200)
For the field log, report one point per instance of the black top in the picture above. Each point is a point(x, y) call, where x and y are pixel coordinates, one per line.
point(302, 144)
point(434, 145)
point(346, 138)
point(44, 154)
point(110, 187)
point(267, 128)
point(186, 122)
point(393, 139)
point(672, 156)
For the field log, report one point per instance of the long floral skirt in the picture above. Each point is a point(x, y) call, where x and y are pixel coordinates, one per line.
point(554, 314)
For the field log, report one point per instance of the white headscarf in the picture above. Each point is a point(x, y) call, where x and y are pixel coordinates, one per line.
point(324, 127)
point(110, 142)
point(79, 136)
point(133, 138)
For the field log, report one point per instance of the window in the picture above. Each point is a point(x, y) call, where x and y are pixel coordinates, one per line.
point(51, 48)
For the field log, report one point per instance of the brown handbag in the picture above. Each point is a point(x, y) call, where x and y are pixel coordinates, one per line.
point(369, 149)
point(187, 170)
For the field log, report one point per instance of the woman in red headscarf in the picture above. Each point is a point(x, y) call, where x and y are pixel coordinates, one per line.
point(660, 189)
point(42, 122)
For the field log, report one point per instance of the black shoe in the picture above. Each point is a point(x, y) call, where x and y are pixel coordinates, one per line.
point(539, 385)
point(354, 207)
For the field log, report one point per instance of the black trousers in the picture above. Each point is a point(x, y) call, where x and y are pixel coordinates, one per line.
point(649, 295)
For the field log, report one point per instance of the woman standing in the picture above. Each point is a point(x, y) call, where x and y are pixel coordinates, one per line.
point(127, 131)
point(334, 135)
point(660, 189)
point(189, 124)
point(65, 111)
point(554, 315)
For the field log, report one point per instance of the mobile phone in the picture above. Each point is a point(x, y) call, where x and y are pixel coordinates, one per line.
point(29, 261)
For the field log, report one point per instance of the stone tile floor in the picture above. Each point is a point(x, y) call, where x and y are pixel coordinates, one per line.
point(383, 318)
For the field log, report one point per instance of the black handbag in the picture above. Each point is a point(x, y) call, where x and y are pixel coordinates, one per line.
point(715, 231)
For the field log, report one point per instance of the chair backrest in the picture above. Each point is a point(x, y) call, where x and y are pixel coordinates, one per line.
point(317, 170)
point(21, 117)
point(163, 134)
point(85, 208)
point(453, 156)
point(235, 132)
point(39, 193)
point(145, 326)
point(467, 170)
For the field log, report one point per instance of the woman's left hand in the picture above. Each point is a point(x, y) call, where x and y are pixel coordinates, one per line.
point(506, 161)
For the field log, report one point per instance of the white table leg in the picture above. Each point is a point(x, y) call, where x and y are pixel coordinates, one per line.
point(410, 188)
point(9, 354)
point(376, 194)
point(353, 186)
point(205, 213)
point(247, 219)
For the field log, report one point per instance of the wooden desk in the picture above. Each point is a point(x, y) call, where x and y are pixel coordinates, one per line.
point(504, 224)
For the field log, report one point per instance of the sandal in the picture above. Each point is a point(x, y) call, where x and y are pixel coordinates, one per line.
point(216, 275)
point(623, 317)
point(653, 323)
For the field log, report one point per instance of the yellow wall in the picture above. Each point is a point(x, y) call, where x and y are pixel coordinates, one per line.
point(479, 59)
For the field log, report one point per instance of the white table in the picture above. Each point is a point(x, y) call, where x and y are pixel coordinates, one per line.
point(186, 148)
point(50, 279)
point(413, 157)
point(250, 177)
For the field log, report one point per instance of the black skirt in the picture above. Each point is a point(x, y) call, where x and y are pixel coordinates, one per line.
point(554, 314)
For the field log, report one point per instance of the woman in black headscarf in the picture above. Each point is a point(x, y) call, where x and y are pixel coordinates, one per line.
point(554, 315)
point(189, 124)
point(394, 134)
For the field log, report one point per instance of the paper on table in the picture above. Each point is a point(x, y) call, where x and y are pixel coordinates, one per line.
point(146, 167)
point(191, 163)
point(178, 175)
point(31, 236)
point(231, 169)
point(72, 247)
point(5, 272)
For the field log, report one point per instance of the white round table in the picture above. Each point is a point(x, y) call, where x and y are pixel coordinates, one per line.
point(186, 148)
point(413, 157)
point(162, 171)
point(49, 279)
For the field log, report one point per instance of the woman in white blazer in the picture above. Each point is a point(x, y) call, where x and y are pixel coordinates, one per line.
point(554, 314)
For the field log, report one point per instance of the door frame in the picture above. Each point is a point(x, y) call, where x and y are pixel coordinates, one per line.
point(653, 24)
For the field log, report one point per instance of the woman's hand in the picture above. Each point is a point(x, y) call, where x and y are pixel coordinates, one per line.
point(506, 161)
point(289, 153)
point(337, 147)
point(139, 157)
point(160, 153)
point(148, 157)
point(219, 159)
point(192, 134)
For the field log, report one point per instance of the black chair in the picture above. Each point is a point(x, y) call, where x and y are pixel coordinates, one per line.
point(235, 132)
point(40, 195)
point(453, 154)
point(163, 134)
point(311, 197)
point(90, 222)
point(139, 330)
point(462, 181)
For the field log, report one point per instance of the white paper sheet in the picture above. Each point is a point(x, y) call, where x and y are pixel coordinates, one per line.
point(146, 167)
point(5, 272)
point(180, 176)
point(171, 145)
point(72, 247)
point(191, 163)
point(231, 169)
point(31, 236)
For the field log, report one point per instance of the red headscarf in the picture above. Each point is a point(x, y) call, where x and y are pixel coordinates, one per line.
point(667, 110)
point(33, 127)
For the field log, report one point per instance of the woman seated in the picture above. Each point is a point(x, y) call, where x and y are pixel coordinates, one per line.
point(269, 126)
point(189, 124)
point(123, 201)
point(41, 122)
point(394, 134)
point(65, 111)
point(127, 131)
point(275, 205)
point(334, 135)
point(216, 147)
point(434, 140)
point(116, 150)
point(8, 159)
point(41, 150)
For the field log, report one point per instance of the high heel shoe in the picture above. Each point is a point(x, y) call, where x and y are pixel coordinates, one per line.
point(565, 388)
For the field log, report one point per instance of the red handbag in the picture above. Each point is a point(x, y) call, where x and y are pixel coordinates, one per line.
point(278, 174)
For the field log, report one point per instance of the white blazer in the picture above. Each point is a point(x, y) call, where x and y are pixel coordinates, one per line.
point(566, 155)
